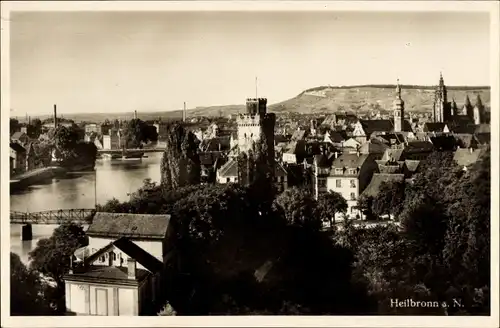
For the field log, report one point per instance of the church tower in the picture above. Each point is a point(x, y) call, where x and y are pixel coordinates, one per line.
point(441, 111)
point(255, 141)
point(478, 111)
point(398, 106)
point(468, 110)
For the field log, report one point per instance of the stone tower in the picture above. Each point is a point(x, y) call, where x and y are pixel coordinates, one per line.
point(441, 112)
point(255, 141)
point(398, 106)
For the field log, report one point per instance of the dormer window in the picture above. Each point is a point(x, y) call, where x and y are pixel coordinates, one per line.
point(352, 171)
point(339, 171)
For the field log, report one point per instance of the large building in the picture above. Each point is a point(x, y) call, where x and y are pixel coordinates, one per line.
point(254, 147)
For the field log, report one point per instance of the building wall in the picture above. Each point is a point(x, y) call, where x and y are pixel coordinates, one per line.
point(289, 158)
point(155, 248)
point(101, 299)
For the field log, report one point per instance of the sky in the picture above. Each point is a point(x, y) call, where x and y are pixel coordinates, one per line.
point(154, 61)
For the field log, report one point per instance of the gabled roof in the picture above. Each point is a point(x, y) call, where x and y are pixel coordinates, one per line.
point(17, 135)
point(373, 147)
point(417, 145)
point(229, 169)
point(17, 147)
point(483, 138)
point(370, 126)
point(393, 154)
point(482, 128)
point(412, 165)
point(324, 161)
point(373, 187)
point(134, 226)
point(434, 127)
point(298, 135)
point(444, 142)
point(140, 255)
point(350, 160)
point(466, 140)
point(466, 157)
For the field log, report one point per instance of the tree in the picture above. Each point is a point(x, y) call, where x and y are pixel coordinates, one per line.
point(138, 132)
point(34, 129)
point(180, 164)
point(298, 208)
point(390, 199)
point(51, 257)
point(26, 290)
point(14, 126)
point(328, 205)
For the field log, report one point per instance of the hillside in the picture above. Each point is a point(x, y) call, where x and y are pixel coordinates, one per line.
point(357, 98)
point(323, 99)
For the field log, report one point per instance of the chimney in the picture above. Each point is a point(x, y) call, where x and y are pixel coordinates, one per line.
point(336, 154)
point(131, 268)
point(184, 113)
point(135, 115)
point(55, 116)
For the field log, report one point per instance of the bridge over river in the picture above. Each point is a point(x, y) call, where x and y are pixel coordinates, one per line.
point(26, 219)
point(134, 150)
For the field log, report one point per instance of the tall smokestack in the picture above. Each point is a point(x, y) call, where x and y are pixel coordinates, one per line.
point(55, 116)
point(135, 115)
point(184, 113)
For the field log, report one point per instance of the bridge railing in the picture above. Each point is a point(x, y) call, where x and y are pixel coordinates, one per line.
point(53, 216)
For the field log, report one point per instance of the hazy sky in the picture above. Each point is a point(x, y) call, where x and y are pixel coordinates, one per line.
point(120, 62)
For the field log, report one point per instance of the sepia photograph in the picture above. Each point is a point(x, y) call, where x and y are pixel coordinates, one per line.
point(250, 162)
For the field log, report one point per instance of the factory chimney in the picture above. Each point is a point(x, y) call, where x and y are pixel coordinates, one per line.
point(135, 115)
point(184, 113)
point(55, 116)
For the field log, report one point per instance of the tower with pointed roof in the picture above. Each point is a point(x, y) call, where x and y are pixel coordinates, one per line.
point(478, 111)
point(441, 108)
point(468, 108)
point(398, 106)
point(454, 108)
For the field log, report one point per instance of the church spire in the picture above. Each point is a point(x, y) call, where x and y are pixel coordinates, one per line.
point(479, 102)
point(398, 90)
point(467, 101)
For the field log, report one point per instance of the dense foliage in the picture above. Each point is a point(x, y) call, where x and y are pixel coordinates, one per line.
point(237, 259)
point(51, 258)
point(26, 290)
point(137, 132)
point(180, 165)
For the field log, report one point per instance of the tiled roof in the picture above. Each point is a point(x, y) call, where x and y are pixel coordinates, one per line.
point(17, 135)
point(349, 160)
point(140, 226)
point(419, 145)
point(373, 187)
point(434, 127)
point(370, 126)
point(389, 168)
point(393, 154)
point(466, 157)
point(229, 169)
point(465, 140)
point(412, 165)
point(17, 147)
point(483, 128)
point(373, 147)
point(444, 142)
point(298, 135)
point(483, 138)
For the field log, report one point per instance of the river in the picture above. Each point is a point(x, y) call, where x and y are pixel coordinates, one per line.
point(79, 190)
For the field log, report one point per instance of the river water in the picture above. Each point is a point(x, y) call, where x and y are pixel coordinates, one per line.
point(79, 190)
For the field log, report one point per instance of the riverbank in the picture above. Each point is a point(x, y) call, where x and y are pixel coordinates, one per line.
point(27, 179)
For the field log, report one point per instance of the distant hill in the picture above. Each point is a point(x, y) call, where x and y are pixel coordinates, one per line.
point(327, 99)
point(323, 99)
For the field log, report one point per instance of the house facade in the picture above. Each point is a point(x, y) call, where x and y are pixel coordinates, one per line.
point(17, 158)
point(349, 175)
point(124, 268)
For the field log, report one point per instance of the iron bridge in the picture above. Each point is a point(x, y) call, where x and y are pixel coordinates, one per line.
point(81, 215)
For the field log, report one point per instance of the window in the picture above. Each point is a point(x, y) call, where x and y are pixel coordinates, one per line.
point(339, 171)
point(102, 258)
point(352, 171)
point(322, 183)
point(114, 256)
point(228, 180)
point(338, 183)
point(353, 183)
point(353, 196)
